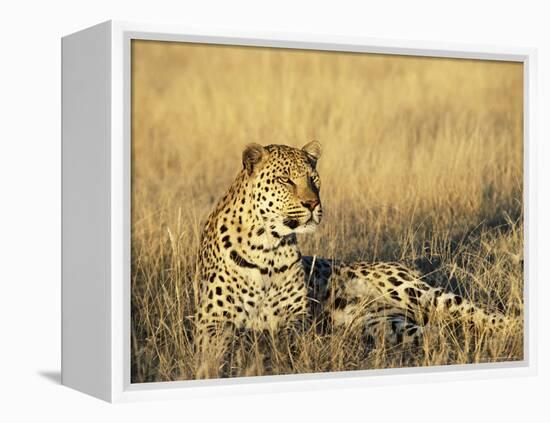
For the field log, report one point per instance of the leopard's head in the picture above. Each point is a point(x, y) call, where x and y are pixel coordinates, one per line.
point(285, 185)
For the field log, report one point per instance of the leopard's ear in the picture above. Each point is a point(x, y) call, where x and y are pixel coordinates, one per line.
point(313, 148)
point(252, 155)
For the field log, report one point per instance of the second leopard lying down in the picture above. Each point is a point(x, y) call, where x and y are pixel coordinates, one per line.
point(253, 276)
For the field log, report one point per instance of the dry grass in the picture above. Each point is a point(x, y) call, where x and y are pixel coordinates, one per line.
point(422, 163)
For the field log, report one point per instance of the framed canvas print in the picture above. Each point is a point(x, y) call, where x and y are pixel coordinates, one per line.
point(259, 212)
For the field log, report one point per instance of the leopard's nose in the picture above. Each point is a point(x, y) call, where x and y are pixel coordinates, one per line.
point(310, 204)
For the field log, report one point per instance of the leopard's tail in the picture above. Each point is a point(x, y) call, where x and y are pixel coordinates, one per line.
point(437, 303)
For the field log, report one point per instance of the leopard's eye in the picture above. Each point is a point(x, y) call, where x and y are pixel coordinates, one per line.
point(285, 180)
point(315, 180)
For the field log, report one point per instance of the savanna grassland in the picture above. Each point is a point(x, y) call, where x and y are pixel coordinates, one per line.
point(422, 163)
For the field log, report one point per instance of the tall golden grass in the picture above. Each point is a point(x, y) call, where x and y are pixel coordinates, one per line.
point(422, 163)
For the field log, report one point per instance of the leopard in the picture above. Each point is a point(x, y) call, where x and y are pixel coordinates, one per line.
point(252, 275)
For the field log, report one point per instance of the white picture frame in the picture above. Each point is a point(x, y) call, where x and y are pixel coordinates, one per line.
point(96, 213)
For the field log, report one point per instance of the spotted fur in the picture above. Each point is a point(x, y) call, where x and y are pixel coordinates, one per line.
point(253, 276)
